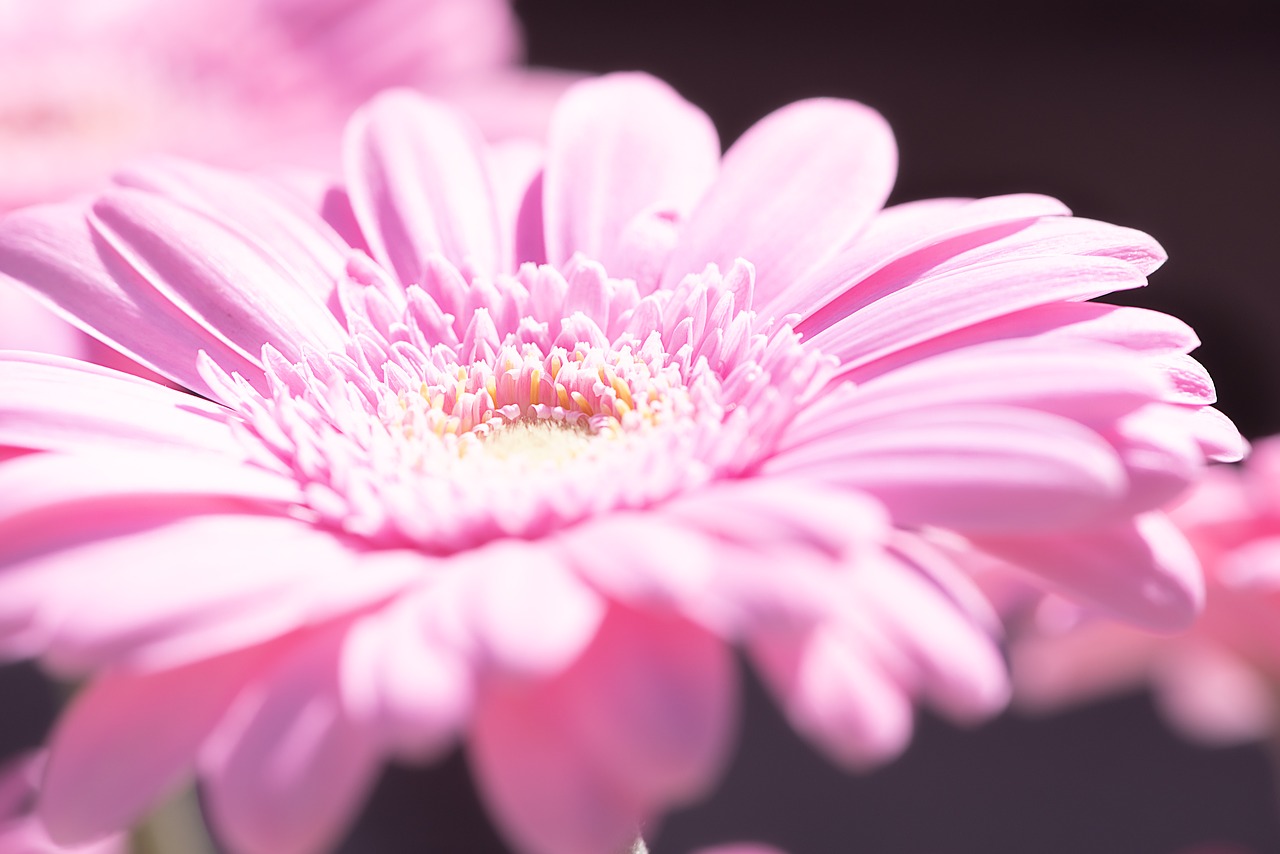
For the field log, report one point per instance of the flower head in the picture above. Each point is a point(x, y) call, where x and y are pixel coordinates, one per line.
point(510, 445)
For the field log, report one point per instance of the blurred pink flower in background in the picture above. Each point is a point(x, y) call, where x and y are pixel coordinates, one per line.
point(20, 829)
point(88, 84)
point(1217, 683)
point(439, 494)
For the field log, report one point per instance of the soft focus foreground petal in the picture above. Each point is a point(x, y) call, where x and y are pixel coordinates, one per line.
point(714, 555)
point(617, 146)
point(574, 764)
point(52, 249)
point(404, 681)
point(943, 653)
point(52, 403)
point(419, 186)
point(834, 693)
point(240, 293)
point(243, 579)
point(783, 202)
point(129, 738)
point(287, 768)
point(1142, 571)
point(977, 468)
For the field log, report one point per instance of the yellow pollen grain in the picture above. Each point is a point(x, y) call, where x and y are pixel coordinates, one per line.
point(491, 386)
point(535, 380)
point(562, 394)
point(583, 405)
point(556, 365)
point(621, 407)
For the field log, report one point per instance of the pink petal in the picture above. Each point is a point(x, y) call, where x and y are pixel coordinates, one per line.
point(403, 682)
point(51, 249)
point(619, 145)
point(239, 293)
point(243, 579)
point(51, 403)
point(419, 187)
point(976, 469)
point(836, 695)
point(129, 739)
point(905, 241)
point(820, 196)
point(1142, 571)
point(286, 231)
point(515, 168)
point(642, 721)
point(938, 304)
point(55, 482)
point(1095, 385)
point(287, 769)
point(1061, 323)
point(529, 613)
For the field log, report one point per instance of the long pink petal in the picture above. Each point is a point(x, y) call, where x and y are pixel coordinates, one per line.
point(419, 185)
point(52, 249)
point(129, 739)
point(905, 241)
point(1142, 571)
point(820, 196)
point(1066, 323)
point(59, 482)
point(936, 305)
point(287, 769)
point(240, 294)
point(1090, 384)
point(617, 146)
point(989, 468)
point(52, 403)
point(273, 222)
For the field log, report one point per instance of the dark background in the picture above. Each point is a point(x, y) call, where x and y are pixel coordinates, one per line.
point(1162, 116)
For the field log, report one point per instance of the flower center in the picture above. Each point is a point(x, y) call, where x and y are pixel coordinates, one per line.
point(465, 412)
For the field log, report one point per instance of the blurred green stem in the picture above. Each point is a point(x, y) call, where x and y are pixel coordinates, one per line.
point(175, 827)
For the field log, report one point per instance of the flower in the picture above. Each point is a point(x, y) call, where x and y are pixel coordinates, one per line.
point(1216, 683)
point(20, 830)
point(513, 446)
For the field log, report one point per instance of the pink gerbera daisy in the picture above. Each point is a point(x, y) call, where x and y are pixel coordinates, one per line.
point(511, 445)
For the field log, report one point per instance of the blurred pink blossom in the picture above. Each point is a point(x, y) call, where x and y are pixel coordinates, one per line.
point(20, 830)
point(1216, 683)
point(512, 446)
point(88, 84)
